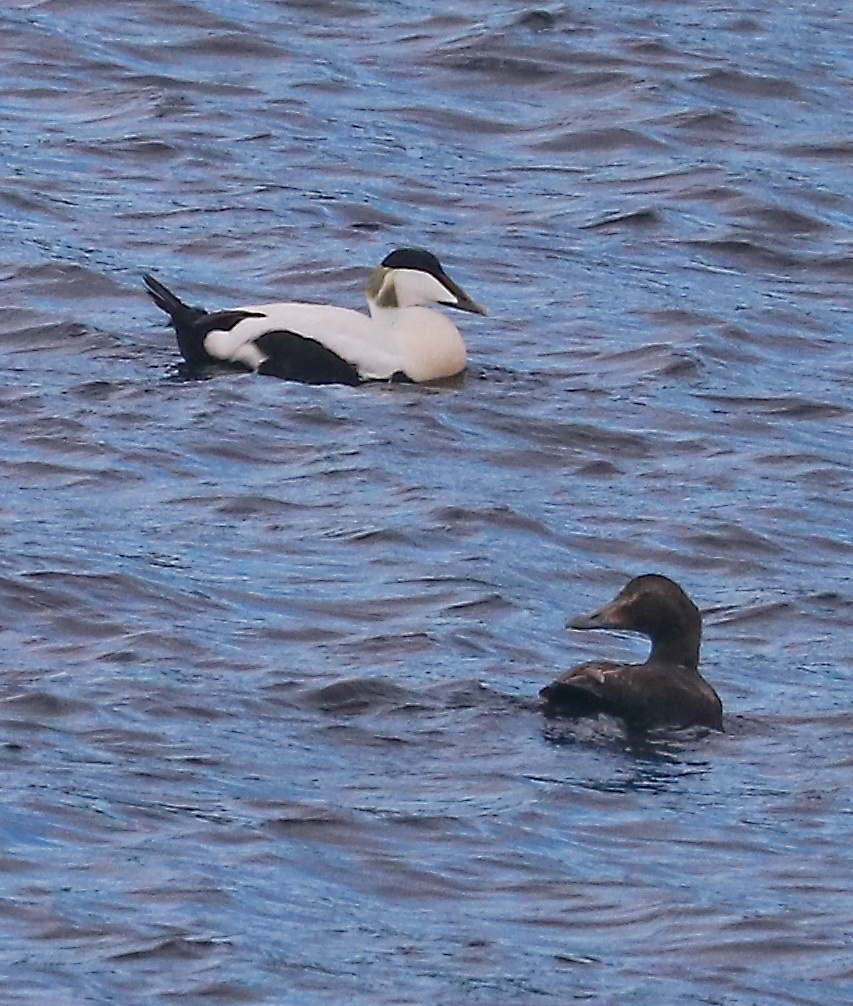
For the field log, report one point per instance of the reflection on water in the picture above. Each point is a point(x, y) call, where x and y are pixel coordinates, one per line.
point(271, 653)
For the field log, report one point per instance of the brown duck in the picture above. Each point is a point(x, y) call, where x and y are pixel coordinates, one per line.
point(667, 690)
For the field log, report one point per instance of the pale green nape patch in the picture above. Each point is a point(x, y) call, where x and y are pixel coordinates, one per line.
point(381, 289)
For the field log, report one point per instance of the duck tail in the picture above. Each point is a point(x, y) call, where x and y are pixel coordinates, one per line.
point(183, 316)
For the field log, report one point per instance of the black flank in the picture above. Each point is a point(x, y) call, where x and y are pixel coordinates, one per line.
point(293, 357)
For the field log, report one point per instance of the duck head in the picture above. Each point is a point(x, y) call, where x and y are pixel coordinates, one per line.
point(412, 277)
point(658, 608)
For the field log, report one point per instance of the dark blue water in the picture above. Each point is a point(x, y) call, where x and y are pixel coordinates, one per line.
point(270, 653)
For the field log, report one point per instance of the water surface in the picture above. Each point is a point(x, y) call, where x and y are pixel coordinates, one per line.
point(270, 653)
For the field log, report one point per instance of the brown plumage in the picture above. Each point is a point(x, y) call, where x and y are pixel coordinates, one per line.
point(666, 690)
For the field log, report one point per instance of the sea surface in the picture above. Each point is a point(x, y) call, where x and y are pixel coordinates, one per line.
point(270, 653)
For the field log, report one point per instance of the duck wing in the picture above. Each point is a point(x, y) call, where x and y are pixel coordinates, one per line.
point(322, 343)
point(588, 689)
point(643, 695)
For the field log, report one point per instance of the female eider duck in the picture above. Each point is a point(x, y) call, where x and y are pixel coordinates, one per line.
point(403, 338)
point(667, 690)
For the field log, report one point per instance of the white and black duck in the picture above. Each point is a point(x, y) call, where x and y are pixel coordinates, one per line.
point(402, 339)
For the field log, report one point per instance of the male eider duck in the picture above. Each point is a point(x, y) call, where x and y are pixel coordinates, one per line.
point(667, 690)
point(403, 338)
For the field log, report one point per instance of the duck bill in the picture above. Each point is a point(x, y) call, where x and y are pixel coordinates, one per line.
point(608, 617)
point(463, 302)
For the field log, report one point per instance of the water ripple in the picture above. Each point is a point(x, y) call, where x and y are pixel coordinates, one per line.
point(268, 717)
